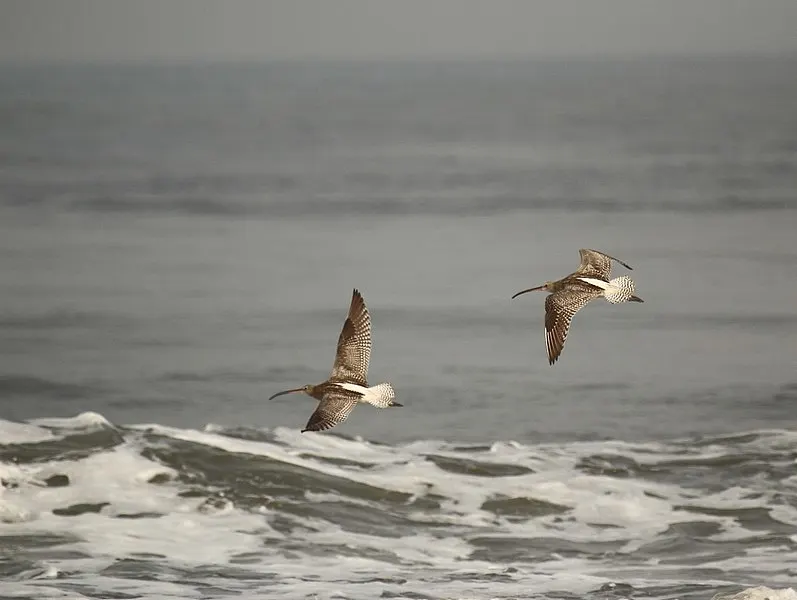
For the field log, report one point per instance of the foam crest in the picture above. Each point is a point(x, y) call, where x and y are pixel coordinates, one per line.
point(83, 421)
point(759, 593)
point(22, 433)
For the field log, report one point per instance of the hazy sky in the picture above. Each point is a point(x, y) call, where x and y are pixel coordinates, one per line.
point(265, 29)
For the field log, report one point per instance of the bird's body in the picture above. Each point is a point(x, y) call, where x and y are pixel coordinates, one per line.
point(348, 384)
point(571, 293)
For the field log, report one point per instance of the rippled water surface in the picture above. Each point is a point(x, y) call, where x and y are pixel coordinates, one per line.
point(178, 243)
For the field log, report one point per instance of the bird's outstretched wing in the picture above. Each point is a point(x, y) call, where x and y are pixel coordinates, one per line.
point(332, 410)
point(354, 345)
point(560, 308)
point(596, 264)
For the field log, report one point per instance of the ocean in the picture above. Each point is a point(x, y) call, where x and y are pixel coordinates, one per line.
point(178, 242)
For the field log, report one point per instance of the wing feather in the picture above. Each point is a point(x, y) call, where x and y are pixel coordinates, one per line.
point(333, 409)
point(559, 311)
point(596, 264)
point(354, 345)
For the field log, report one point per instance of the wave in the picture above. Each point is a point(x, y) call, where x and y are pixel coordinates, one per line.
point(290, 203)
point(280, 508)
point(60, 319)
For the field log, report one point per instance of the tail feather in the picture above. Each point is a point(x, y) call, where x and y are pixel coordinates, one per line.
point(620, 289)
point(381, 395)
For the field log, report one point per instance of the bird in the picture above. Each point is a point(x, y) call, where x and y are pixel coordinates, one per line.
point(348, 384)
point(571, 293)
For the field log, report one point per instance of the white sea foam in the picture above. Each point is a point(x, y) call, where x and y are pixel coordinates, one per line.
point(636, 509)
point(119, 478)
point(22, 433)
point(759, 593)
point(86, 420)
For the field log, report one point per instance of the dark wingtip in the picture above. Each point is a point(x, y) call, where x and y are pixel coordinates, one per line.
point(625, 264)
point(356, 299)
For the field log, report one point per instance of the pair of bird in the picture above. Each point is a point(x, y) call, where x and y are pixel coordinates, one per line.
point(348, 384)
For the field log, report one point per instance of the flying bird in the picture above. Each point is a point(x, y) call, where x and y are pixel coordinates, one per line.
point(348, 384)
point(570, 294)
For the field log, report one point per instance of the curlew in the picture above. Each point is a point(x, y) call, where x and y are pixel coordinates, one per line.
point(570, 294)
point(348, 385)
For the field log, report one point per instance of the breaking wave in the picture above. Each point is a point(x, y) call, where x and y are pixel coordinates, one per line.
point(95, 508)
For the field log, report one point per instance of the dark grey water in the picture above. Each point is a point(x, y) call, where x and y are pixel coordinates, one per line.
point(177, 243)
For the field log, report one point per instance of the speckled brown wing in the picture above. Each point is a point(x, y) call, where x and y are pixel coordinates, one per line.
point(559, 311)
point(596, 264)
point(354, 345)
point(335, 407)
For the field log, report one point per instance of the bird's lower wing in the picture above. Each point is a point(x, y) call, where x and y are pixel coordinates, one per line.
point(559, 311)
point(333, 409)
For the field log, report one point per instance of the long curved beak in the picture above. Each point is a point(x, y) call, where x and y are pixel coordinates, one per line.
point(534, 289)
point(286, 392)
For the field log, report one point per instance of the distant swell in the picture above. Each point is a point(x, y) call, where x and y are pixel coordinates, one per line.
point(21, 385)
point(340, 208)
